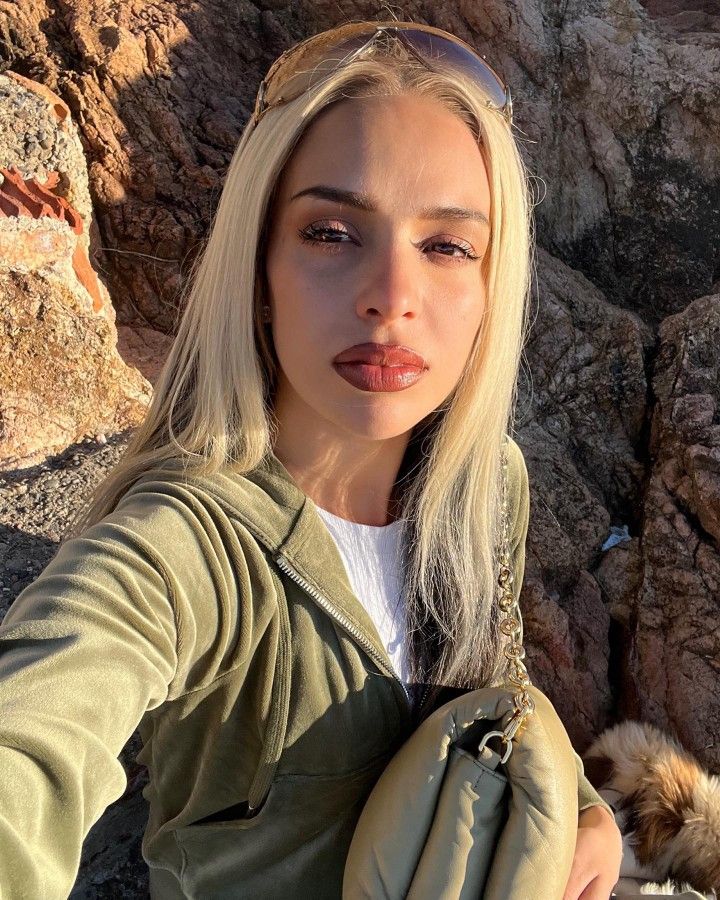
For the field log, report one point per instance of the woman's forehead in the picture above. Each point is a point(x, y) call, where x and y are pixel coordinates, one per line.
point(389, 148)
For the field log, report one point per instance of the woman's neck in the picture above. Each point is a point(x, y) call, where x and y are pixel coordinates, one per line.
point(352, 481)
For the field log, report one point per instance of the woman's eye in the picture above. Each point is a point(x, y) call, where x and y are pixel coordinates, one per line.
point(327, 237)
point(466, 251)
point(323, 236)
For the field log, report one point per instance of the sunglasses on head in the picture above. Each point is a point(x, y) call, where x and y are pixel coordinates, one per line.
point(305, 64)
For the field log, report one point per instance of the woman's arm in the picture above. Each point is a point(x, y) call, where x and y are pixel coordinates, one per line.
point(85, 650)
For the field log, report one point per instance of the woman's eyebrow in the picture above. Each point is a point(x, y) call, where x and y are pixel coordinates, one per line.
point(364, 202)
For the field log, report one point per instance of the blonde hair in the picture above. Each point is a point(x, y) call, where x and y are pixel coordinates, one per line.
point(212, 403)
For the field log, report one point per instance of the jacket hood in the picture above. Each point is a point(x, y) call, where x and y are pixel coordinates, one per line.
point(267, 498)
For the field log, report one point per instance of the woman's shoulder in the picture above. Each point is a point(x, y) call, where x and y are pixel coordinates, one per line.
point(173, 485)
point(168, 517)
point(517, 467)
point(518, 492)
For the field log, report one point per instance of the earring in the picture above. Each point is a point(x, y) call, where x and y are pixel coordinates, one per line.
point(266, 317)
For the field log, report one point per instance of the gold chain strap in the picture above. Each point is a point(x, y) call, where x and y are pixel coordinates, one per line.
point(511, 626)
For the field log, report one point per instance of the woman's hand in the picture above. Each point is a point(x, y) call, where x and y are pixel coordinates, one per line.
point(598, 853)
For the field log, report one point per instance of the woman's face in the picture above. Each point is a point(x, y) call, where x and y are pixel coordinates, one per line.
point(377, 234)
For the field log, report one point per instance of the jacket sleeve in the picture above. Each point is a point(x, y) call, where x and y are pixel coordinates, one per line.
point(85, 651)
point(518, 474)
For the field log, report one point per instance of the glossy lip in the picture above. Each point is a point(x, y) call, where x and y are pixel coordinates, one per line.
point(379, 379)
point(381, 355)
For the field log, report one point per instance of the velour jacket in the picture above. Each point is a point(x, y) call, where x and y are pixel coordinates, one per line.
point(215, 614)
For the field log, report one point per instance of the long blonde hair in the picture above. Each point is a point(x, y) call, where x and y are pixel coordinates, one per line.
point(212, 403)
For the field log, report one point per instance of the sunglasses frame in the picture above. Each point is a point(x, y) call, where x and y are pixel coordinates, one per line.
point(342, 35)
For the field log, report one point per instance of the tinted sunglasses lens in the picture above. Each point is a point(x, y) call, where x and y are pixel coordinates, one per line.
point(447, 52)
point(302, 69)
point(434, 47)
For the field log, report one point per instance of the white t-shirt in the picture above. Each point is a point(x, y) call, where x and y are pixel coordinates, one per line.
point(371, 554)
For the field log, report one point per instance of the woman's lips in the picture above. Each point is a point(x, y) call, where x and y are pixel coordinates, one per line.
point(369, 377)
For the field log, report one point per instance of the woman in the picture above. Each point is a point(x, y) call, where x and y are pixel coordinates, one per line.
point(348, 354)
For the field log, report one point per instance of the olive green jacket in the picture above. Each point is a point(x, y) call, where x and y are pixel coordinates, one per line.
point(216, 615)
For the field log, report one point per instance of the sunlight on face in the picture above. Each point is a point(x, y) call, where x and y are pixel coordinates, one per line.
point(386, 248)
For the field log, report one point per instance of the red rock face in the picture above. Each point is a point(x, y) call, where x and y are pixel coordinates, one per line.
point(61, 375)
point(27, 197)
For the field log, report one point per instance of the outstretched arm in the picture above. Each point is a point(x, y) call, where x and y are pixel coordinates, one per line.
point(85, 651)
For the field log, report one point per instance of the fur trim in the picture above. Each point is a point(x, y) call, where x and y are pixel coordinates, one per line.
point(671, 805)
point(667, 887)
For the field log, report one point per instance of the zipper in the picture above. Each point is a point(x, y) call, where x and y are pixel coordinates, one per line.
point(328, 607)
point(340, 619)
point(354, 632)
point(423, 698)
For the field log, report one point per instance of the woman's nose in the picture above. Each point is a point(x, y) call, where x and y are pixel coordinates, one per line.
point(390, 290)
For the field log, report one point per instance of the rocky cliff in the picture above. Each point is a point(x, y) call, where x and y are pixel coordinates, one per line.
point(617, 108)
